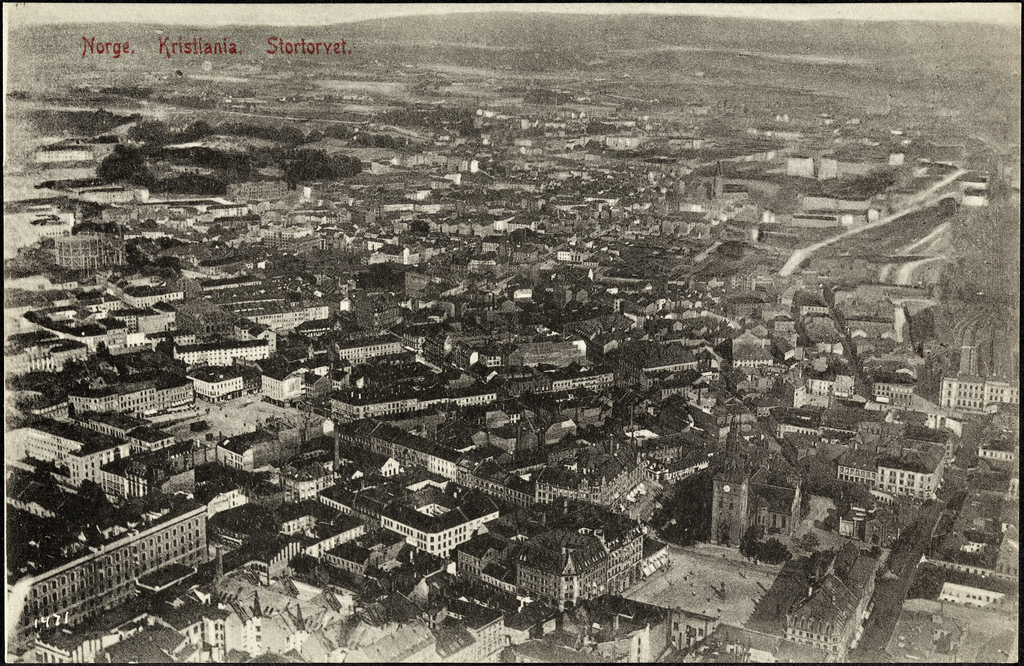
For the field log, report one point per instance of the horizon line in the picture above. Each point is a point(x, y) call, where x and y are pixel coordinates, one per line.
point(300, 16)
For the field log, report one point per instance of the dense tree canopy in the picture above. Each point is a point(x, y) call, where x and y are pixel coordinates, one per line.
point(125, 165)
point(303, 166)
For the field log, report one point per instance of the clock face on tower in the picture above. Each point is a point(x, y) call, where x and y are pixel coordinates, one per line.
point(726, 488)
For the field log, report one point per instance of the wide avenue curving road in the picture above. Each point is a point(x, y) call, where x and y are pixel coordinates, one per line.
point(921, 200)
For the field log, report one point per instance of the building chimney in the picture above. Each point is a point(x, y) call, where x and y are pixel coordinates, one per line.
point(220, 565)
point(615, 624)
point(337, 451)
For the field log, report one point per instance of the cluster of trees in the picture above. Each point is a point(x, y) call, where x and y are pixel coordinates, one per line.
point(154, 134)
point(194, 184)
point(333, 131)
point(130, 164)
point(135, 92)
point(286, 134)
point(546, 97)
point(771, 551)
point(235, 166)
point(381, 276)
point(986, 242)
point(379, 141)
point(126, 164)
point(419, 227)
point(310, 165)
point(310, 568)
point(844, 495)
point(458, 119)
point(927, 582)
point(862, 187)
point(685, 516)
point(79, 123)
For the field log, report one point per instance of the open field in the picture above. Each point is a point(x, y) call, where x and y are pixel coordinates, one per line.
point(693, 581)
point(386, 88)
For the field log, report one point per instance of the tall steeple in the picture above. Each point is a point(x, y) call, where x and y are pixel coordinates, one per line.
point(719, 181)
point(257, 610)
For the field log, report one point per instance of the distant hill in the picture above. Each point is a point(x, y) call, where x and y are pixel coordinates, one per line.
point(970, 71)
point(590, 36)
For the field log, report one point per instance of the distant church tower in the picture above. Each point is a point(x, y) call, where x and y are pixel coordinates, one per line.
point(719, 182)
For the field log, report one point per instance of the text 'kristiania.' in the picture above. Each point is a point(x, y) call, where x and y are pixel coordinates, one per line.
point(200, 46)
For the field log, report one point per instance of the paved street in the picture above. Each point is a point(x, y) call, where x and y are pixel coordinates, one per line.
point(890, 592)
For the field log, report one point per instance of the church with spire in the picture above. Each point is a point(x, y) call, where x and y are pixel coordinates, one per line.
point(749, 492)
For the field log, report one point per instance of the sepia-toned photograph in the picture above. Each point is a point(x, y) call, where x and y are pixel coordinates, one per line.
point(512, 333)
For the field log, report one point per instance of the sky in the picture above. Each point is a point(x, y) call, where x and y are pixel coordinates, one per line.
point(17, 14)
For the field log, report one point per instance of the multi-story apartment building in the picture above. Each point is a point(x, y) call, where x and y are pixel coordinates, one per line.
point(976, 394)
point(858, 466)
point(912, 474)
point(828, 382)
point(600, 480)
point(831, 616)
point(497, 482)
point(897, 389)
point(376, 314)
point(304, 479)
point(358, 404)
point(282, 385)
point(223, 353)
point(148, 320)
point(258, 190)
point(405, 448)
point(81, 450)
point(217, 384)
point(594, 379)
point(144, 296)
point(145, 438)
point(247, 451)
point(168, 469)
point(357, 351)
point(435, 522)
point(115, 424)
point(280, 317)
point(163, 393)
point(76, 582)
point(246, 329)
point(133, 398)
point(999, 450)
point(571, 563)
point(563, 566)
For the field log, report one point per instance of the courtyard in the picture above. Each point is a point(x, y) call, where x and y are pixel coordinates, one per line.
point(233, 417)
point(818, 511)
